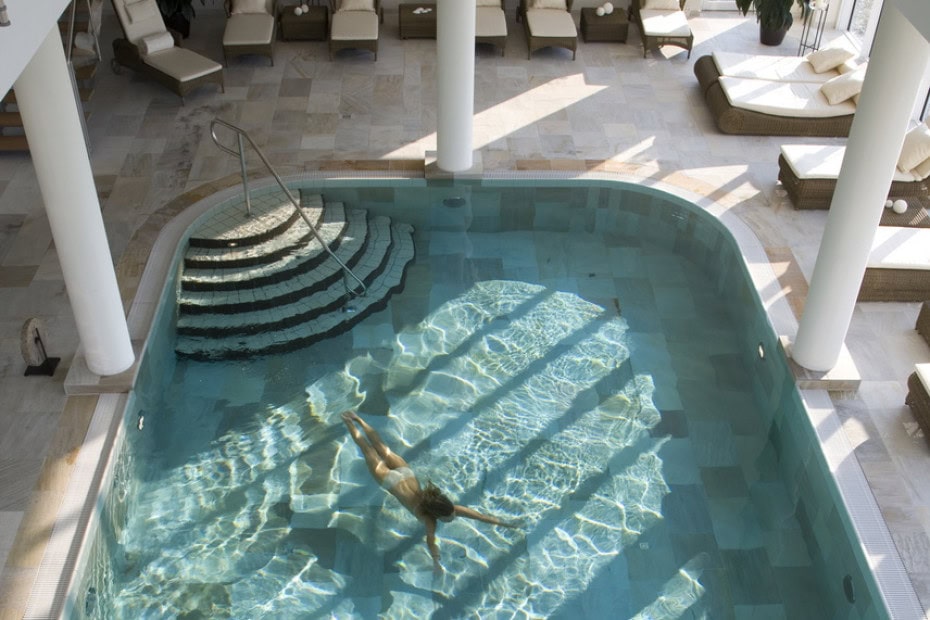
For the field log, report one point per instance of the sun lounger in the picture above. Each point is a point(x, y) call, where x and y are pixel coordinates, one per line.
point(662, 22)
point(918, 397)
point(491, 24)
point(809, 173)
point(548, 23)
point(250, 28)
point(777, 95)
point(355, 25)
point(149, 48)
point(899, 265)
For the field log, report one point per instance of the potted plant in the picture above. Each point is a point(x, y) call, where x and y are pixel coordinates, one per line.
point(774, 17)
point(178, 14)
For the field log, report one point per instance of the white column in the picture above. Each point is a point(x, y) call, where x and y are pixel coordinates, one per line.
point(455, 42)
point(898, 59)
point(56, 143)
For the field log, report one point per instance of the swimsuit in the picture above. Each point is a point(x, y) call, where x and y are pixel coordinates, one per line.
point(396, 476)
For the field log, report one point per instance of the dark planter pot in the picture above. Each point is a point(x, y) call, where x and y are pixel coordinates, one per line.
point(178, 23)
point(772, 37)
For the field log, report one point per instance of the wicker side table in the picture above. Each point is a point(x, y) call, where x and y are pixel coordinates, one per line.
point(613, 27)
point(311, 26)
point(417, 25)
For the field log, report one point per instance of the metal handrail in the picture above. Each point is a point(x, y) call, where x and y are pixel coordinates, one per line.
point(240, 153)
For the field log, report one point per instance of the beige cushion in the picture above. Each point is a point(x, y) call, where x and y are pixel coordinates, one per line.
point(352, 25)
point(828, 58)
point(665, 23)
point(916, 147)
point(897, 247)
point(248, 29)
point(549, 4)
point(844, 86)
point(662, 5)
point(921, 171)
point(182, 64)
point(490, 22)
point(495, 3)
point(148, 19)
point(156, 43)
point(763, 67)
point(141, 11)
point(549, 23)
point(923, 373)
point(793, 99)
point(817, 161)
point(357, 5)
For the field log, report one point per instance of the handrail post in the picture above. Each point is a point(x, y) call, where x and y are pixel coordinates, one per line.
point(245, 176)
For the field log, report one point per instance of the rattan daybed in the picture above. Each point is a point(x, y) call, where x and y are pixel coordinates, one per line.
point(809, 173)
point(662, 26)
point(918, 398)
point(355, 28)
point(548, 27)
point(250, 28)
point(923, 322)
point(899, 265)
point(737, 120)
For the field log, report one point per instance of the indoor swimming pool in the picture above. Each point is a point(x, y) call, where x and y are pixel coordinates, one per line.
point(588, 359)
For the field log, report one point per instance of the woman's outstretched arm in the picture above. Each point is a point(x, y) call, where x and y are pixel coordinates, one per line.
point(468, 513)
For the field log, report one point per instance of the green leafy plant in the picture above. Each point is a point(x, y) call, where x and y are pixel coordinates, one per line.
point(772, 14)
point(184, 7)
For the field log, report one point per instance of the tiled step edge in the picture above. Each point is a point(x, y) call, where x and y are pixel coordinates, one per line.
point(391, 281)
point(272, 213)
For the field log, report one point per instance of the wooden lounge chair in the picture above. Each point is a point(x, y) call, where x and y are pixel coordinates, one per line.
point(491, 24)
point(662, 22)
point(355, 25)
point(548, 23)
point(899, 265)
point(250, 28)
point(918, 397)
point(150, 49)
point(809, 173)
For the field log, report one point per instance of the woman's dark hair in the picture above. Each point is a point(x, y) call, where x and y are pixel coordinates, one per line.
point(434, 504)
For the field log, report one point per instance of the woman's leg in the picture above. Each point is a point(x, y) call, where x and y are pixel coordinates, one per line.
point(376, 466)
point(392, 460)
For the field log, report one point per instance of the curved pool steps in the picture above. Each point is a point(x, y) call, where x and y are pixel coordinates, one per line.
point(250, 304)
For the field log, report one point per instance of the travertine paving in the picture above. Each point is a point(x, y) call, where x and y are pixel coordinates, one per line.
point(609, 110)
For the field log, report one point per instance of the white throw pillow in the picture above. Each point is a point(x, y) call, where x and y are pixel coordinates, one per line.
point(662, 5)
point(156, 43)
point(916, 148)
point(549, 4)
point(141, 11)
point(357, 5)
point(828, 58)
point(248, 6)
point(843, 87)
point(496, 3)
point(922, 171)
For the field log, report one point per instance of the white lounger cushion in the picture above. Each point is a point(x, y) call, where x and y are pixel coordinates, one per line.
point(354, 26)
point(665, 23)
point(248, 29)
point(148, 20)
point(900, 248)
point(551, 23)
point(182, 64)
point(794, 99)
point(813, 161)
point(490, 21)
point(775, 68)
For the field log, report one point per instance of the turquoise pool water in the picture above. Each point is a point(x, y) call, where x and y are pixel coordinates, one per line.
point(580, 357)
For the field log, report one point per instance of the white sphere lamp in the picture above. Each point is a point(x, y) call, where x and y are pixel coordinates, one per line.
point(298, 11)
point(899, 206)
point(599, 11)
point(608, 8)
point(888, 204)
